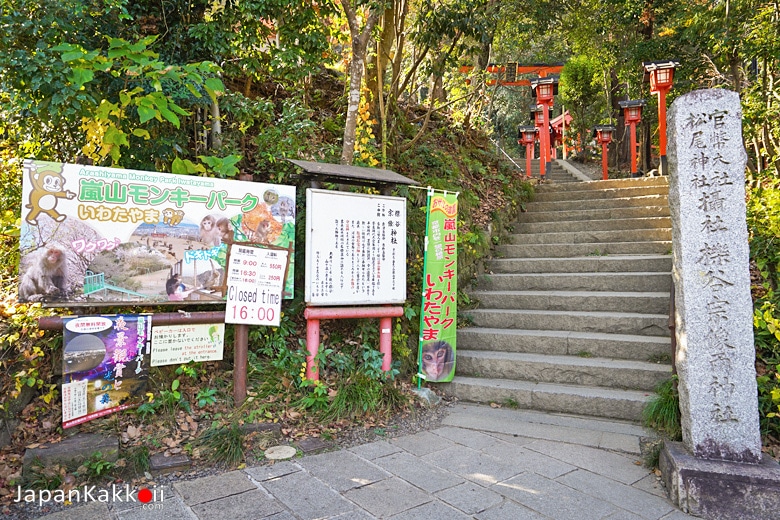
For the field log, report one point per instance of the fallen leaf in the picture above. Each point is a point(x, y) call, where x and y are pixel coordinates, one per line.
point(133, 432)
point(495, 405)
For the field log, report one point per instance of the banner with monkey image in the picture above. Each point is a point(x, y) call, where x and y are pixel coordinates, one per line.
point(438, 318)
point(92, 235)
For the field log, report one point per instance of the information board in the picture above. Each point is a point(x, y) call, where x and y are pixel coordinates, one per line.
point(355, 248)
point(180, 344)
point(255, 276)
point(92, 235)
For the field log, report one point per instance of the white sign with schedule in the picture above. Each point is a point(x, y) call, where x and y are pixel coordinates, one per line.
point(254, 281)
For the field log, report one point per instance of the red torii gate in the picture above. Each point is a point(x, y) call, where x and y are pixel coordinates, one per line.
point(507, 75)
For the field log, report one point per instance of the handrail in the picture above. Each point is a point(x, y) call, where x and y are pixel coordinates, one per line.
point(498, 146)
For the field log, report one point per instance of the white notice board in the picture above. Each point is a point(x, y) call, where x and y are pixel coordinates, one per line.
point(355, 248)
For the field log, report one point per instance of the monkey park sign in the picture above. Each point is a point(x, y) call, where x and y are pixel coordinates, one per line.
point(92, 235)
point(438, 317)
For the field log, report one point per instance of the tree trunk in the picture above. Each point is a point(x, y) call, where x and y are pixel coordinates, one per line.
point(360, 40)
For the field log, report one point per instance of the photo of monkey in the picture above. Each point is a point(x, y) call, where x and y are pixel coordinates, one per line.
point(438, 361)
point(46, 278)
point(210, 233)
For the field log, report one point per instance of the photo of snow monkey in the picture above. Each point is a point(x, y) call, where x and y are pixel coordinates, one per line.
point(438, 359)
point(209, 231)
point(47, 276)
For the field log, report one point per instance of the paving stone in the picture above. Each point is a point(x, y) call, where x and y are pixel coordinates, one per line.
point(472, 465)
point(387, 497)
point(214, 487)
point(307, 497)
point(470, 498)
point(85, 512)
point(615, 466)
point(678, 515)
point(509, 510)
point(172, 508)
point(313, 445)
point(620, 442)
point(160, 464)
point(623, 515)
point(553, 499)
point(247, 506)
point(72, 451)
point(343, 470)
point(270, 471)
point(651, 484)
point(422, 443)
point(431, 511)
point(469, 438)
point(626, 497)
point(419, 473)
point(284, 515)
point(354, 515)
point(528, 460)
point(374, 450)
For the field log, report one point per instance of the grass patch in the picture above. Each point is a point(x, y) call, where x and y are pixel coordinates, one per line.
point(224, 444)
point(662, 413)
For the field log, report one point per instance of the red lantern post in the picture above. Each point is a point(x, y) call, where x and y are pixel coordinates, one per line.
point(527, 135)
point(603, 135)
point(661, 74)
point(545, 89)
point(632, 112)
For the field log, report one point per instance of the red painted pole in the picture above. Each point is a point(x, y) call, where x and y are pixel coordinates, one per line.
point(386, 342)
point(662, 129)
point(544, 142)
point(312, 345)
point(529, 154)
point(604, 169)
point(633, 148)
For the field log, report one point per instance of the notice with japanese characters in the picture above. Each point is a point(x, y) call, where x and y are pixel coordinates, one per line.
point(92, 234)
point(178, 344)
point(438, 315)
point(105, 365)
point(355, 248)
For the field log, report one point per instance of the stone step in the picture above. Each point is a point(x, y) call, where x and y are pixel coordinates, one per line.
point(539, 368)
point(623, 202)
point(558, 342)
point(594, 214)
point(580, 321)
point(581, 237)
point(581, 400)
point(585, 264)
point(642, 302)
point(610, 184)
point(610, 193)
point(562, 226)
point(629, 282)
point(659, 247)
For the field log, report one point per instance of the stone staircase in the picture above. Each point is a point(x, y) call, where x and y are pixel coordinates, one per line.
point(573, 315)
point(556, 174)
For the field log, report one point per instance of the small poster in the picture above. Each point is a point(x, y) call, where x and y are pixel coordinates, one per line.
point(105, 365)
point(255, 278)
point(438, 318)
point(179, 344)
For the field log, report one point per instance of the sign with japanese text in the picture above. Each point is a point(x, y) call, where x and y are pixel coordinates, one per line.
point(438, 317)
point(93, 235)
point(179, 344)
point(105, 365)
point(355, 248)
point(255, 285)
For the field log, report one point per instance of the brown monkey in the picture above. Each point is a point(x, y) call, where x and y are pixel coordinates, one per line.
point(438, 359)
point(225, 230)
point(47, 188)
point(172, 217)
point(47, 276)
point(209, 232)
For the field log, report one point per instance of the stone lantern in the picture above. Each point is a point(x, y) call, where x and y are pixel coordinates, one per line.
point(527, 135)
point(632, 112)
point(660, 74)
point(603, 135)
point(545, 90)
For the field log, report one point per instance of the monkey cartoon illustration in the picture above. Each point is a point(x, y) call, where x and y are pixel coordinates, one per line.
point(172, 217)
point(209, 231)
point(47, 188)
point(438, 359)
point(47, 276)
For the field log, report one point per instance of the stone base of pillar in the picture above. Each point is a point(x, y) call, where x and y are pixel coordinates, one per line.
point(720, 490)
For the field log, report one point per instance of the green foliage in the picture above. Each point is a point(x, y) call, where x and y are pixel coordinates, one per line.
point(663, 411)
point(96, 467)
point(581, 92)
point(224, 444)
point(138, 459)
point(206, 397)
